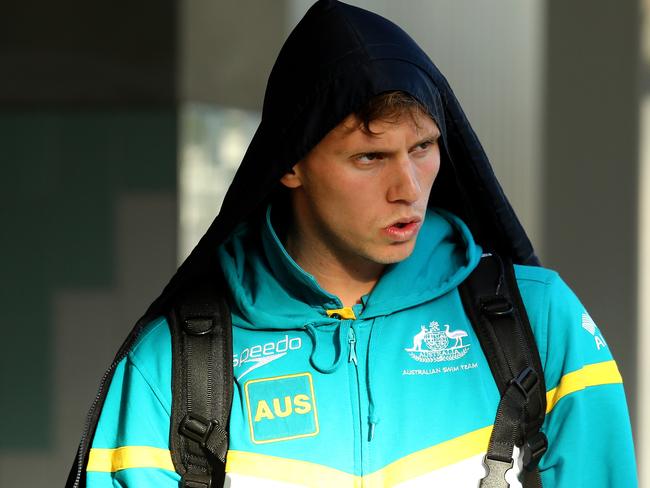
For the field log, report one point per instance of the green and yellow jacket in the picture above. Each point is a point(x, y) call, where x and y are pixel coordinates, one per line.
point(394, 391)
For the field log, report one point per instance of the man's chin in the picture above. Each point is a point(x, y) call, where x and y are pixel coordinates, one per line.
point(395, 253)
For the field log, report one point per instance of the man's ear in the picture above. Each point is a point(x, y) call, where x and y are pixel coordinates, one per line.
point(291, 179)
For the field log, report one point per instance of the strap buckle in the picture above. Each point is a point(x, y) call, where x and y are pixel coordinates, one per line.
point(525, 381)
point(496, 473)
point(534, 448)
point(197, 428)
point(195, 480)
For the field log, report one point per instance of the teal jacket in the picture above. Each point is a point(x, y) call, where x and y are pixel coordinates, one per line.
point(394, 391)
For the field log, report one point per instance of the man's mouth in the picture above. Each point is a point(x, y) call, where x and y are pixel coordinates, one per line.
point(405, 221)
point(403, 229)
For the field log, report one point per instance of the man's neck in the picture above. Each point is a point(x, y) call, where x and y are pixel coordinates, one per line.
point(347, 278)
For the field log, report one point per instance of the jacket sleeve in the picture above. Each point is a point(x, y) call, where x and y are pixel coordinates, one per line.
point(587, 421)
point(131, 443)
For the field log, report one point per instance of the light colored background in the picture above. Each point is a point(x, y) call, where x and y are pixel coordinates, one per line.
point(121, 128)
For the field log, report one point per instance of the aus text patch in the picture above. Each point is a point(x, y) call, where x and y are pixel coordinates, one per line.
point(281, 408)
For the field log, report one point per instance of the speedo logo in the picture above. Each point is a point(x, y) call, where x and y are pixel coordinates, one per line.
point(262, 354)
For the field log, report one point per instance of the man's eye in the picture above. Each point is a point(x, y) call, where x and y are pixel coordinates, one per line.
point(364, 158)
point(426, 144)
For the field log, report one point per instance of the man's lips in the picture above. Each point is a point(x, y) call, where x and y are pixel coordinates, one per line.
point(403, 229)
point(404, 221)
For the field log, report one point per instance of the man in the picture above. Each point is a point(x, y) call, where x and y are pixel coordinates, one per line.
point(363, 203)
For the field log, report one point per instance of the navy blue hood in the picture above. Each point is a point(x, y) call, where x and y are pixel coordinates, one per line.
point(336, 59)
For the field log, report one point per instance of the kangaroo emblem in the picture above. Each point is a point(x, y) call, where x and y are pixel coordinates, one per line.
point(418, 339)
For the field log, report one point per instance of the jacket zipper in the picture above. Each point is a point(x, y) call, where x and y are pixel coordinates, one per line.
point(89, 419)
point(352, 358)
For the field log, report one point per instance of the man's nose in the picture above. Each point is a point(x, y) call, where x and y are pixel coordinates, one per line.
point(404, 185)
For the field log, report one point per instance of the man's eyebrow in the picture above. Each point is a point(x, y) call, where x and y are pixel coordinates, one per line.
point(433, 135)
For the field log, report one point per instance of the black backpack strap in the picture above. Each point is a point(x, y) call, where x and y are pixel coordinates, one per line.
point(201, 384)
point(492, 302)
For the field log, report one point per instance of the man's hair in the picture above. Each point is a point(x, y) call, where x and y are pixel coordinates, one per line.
point(390, 107)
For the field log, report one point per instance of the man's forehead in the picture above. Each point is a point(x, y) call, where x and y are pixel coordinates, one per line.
point(353, 126)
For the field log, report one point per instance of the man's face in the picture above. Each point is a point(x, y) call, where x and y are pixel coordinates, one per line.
point(360, 196)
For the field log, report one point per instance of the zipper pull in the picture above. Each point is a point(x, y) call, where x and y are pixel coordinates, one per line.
point(371, 431)
point(352, 340)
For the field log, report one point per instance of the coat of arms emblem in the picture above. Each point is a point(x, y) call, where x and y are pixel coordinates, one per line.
point(432, 345)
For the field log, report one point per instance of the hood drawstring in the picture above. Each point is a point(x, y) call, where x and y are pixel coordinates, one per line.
point(347, 338)
point(343, 328)
point(373, 416)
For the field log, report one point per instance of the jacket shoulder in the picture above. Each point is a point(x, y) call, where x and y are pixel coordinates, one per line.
point(151, 354)
point(567, 337)
point(539, 274)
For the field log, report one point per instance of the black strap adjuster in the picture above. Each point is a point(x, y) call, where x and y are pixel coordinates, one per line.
point(197, 428)
point(525, 381)
point(534, 448)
